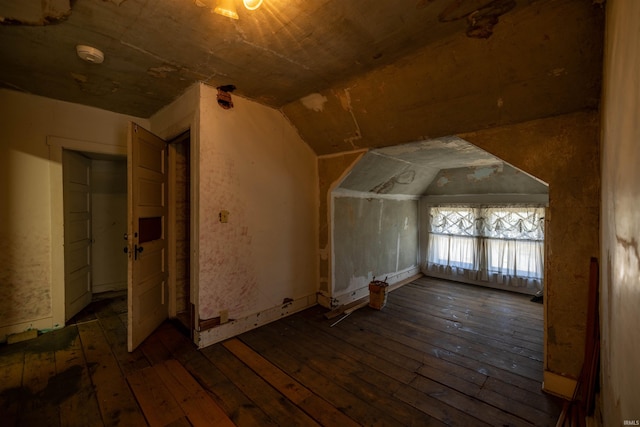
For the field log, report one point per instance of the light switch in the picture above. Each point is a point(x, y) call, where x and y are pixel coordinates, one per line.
point(224, 216)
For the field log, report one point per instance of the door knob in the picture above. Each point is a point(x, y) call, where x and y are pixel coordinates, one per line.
point(136, 250)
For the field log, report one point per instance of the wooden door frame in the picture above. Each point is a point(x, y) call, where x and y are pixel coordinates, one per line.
point(56, 145)
point(189, 123)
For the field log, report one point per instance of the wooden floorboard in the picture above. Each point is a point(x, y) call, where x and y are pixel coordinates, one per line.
point(439, 353)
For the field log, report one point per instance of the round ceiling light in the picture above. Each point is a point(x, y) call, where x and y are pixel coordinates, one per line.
point(252, 4)
point(90, 54)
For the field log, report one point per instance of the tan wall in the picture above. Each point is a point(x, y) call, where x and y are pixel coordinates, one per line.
point(29, 294)
point(620, 266)
point(564, 152)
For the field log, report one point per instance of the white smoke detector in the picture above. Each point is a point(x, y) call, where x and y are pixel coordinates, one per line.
point(90, 54)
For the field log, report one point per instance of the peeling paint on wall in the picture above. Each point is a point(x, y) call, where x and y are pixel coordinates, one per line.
point(314, 101)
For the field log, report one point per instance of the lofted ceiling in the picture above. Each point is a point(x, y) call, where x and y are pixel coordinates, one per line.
point(446, 166)
point(349, 74)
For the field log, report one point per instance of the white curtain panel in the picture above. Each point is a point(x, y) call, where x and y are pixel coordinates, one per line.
point(503, 245)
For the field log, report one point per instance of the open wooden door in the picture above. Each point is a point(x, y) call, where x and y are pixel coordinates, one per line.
point(76, 195)
point(146, 234)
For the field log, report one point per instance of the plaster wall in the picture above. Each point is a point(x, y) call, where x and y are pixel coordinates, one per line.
point(372, 237)
point(620, 229)
point(28, 294)
point(255, 167)
point(331, 170)
point(563, 151)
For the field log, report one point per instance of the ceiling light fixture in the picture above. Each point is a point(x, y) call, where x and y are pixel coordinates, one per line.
point(252, 4)
point(90, 54)
point(226, 8)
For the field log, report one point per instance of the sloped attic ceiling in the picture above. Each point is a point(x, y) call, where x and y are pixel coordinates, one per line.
point(447, 166)
point(349, 74)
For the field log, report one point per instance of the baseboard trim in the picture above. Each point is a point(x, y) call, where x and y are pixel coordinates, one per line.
point(395, 281)
point(237, 326)
point(109, 287)
point(42, 325)
point(558, 385)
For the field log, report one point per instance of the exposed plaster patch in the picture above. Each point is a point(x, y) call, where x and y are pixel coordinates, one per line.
point(345, 100)
point(482, 173)
point(161, 71)
point(442, 181)
point(314, 101)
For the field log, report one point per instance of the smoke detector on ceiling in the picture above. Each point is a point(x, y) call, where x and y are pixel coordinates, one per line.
point(90, 54)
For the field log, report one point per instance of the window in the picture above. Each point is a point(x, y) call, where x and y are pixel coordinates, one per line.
point(488, 243)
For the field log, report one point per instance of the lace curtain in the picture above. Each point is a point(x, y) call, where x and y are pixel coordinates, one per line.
point(502, 245)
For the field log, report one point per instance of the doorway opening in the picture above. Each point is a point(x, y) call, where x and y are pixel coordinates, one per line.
point(180, 230)
point(94, 214)
point(95, 221)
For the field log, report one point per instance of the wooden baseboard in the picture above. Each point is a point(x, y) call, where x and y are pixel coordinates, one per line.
point(40, 325)
point(237, 326)
point(395, 281)
point(558, 385)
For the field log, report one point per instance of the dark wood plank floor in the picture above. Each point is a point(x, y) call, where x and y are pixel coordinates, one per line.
point(439, 353)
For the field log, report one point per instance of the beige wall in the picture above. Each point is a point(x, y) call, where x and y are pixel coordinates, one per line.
point(30, 189)
point(254, 165)
point(564, 152)
point(620, 259)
